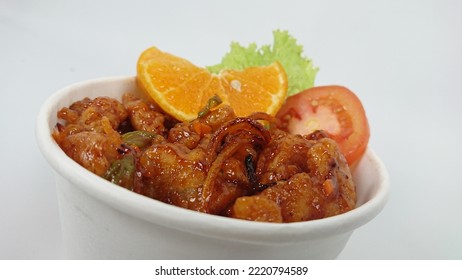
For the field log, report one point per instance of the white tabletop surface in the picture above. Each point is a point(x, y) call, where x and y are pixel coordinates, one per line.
point(402, 58)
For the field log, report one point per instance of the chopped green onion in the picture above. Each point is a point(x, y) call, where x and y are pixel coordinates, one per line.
point(213, 102)
point(139, 138)
point(122, 171)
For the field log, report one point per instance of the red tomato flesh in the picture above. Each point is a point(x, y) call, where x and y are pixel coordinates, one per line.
point(333, 109)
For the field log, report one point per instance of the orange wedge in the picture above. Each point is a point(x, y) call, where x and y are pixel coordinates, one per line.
point(182, 89)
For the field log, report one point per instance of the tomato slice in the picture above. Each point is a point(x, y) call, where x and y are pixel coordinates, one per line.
point(334, 109)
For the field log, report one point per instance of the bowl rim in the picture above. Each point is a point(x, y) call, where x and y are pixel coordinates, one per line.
point(186, 220)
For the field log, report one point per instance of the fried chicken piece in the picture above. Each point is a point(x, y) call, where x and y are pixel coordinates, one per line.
point(88, 113)
point(89, 135)
point(230, 183)
point(175, 175)
point(284, 157)
point(144, 115)
point(197, 168)
point(185, 134)
point(218, 117)
point(93, 150)
point(191, 133)
point(256, 208)
point(308, 179)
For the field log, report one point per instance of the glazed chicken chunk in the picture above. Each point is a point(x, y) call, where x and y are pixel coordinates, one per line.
point(89, 136)
point(308, 179)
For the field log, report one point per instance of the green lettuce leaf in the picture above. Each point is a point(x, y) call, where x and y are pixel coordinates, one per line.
point(300, 70)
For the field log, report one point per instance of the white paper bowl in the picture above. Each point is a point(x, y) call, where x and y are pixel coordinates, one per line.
point(101, 220)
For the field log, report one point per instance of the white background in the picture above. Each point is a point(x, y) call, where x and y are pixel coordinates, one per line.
point(402, 58)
